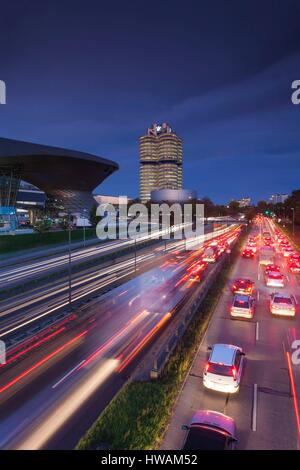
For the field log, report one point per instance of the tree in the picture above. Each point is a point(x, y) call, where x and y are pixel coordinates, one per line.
point(234, 208)
point(42, 226)
point(93, 217)
point(262, 206)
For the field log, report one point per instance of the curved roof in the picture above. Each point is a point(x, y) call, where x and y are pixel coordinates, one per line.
point(51, 168)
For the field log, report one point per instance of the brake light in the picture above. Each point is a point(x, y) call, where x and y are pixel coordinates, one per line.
point(206, 368)
point(233, 370)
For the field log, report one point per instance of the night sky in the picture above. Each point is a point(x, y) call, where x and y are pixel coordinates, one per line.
point(93, 75)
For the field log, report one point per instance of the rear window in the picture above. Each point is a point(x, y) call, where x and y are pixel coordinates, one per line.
point(283, 300)
point(239, 303)
point(275, 275)
point(220, 369)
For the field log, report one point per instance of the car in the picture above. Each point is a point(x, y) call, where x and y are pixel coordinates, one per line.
point(242, 306)
point(247, 253)
point(195, 271)
point(294, 257)
point(242, 286)
point(287, 251)
point(283, 244)
point(210, 254)
point(274, 279)
point(251, 247)
point(266, 234)
point(283, 304)
point(267, 240)
point(266, 255)
point(210, 430)
point(272, 268)
point(223, 370)
point(294, 267)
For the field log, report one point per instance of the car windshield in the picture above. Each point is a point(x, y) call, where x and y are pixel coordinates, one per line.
point(283, 300)
point(199, 438)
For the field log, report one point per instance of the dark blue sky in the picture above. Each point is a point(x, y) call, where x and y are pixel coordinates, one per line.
point(94, 75)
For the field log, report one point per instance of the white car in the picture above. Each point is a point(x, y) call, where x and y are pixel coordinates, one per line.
point(283, 304)
point(274, 279)
point(224, 367)
point(287, 251)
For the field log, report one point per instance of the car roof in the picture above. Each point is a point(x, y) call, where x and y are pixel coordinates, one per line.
point(223, 353)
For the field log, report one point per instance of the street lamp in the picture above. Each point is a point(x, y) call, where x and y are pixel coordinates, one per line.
point(293, 209)
point(69, 262)
point(84, 210)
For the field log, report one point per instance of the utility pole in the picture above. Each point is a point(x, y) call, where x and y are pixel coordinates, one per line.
point(84, 210)
point(69, 263)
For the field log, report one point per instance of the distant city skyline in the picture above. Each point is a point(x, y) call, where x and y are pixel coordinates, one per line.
point(93, 80)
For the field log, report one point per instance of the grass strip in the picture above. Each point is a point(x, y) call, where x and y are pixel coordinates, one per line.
point(136, 417)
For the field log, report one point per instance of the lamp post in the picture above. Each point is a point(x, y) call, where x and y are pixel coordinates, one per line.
point(69, 262)
point(84, 210)
point(293, 209)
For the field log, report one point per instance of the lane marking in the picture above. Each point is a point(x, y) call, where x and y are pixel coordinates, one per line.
point(67, 375)
point(257, 331)
point(294, 395)
point(254, 408)
point(257, 295)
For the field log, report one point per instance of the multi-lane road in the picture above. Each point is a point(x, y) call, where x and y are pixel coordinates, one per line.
point(266, 409)
point(53, 386)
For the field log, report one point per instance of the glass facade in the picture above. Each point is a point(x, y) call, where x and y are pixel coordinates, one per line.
point(9, 185)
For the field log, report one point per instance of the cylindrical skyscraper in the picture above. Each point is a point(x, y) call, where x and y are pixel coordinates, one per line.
point(160, 160)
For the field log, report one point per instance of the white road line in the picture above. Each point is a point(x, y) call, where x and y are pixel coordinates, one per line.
point(254, 408)
point(257, 295)
point(288, 278)
point(67, 375)
point(257, 331)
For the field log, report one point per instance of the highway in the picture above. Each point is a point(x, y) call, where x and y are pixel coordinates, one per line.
point(266, 409)
point(53, 387)
point(23, 310)
point(25, 271)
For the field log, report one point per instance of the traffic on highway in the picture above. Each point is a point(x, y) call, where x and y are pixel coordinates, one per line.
point(243, 388)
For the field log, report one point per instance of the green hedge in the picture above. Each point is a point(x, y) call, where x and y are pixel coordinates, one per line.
point(137, 416)
point(10, 243)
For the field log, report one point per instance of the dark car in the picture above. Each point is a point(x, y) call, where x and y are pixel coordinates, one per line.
point(210, 430)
